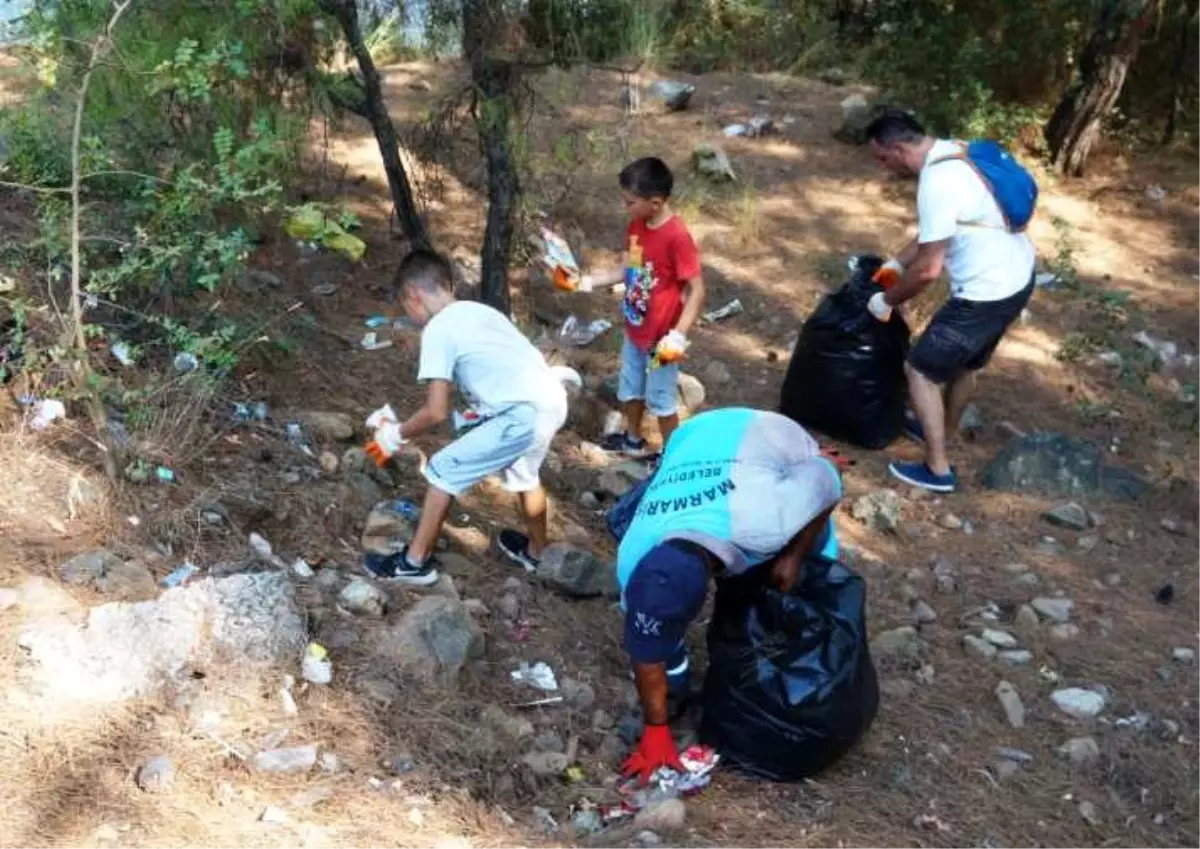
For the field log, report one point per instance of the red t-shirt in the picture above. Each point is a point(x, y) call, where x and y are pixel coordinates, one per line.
point(660, 262)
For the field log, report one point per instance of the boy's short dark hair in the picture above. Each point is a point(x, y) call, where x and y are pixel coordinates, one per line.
point(424, 270)
point(895, 126)
point(647, 178)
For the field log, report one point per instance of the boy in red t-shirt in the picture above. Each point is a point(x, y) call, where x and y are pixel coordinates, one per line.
point(664, 294)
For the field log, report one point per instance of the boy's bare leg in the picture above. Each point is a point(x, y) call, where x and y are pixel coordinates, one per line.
point(666, 426)
point(433, 515)
point(634, 411)
point(533, 509)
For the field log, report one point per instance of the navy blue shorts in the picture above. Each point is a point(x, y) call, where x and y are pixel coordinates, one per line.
point(963, 335)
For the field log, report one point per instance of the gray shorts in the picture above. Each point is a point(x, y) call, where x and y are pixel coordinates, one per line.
point(658, 387)
point(514, 442)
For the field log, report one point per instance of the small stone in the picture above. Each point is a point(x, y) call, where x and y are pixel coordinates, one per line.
point(1028, 580)
point(1087, 542)
point(951, 522)
point(89, 567)
point(923, 614)
point(943, 576)
point(1015, 568)
point(1183, 655)
point(577, 572)
point(1019, 756)
point(602, 720)
point(509, 606)
point(999, 639)
point(898, 689)
point(1069, 515)
point(513, 727)
point(1006, 768)
point(647, 840)
point(546, 763)
point(1064, 631)
point(902, 643)
point(1088, 811)
point(1078, 702)
point(971, 421)
point(363, 598)
point(1080, 751)
point(1026, 618)
point(1055, 609)
point(1015, 657)
point(295, 759)
point(399, 762)
point(1165, 674)
point(979, 647)
point(1171, 526)
point(545, 822)
point(879, 510)
point(273, 815)
point(549, 740)
point(578, 694)
point(156, 774)
point(328, 577)
point(909, 593)
point(212, 517)
point(1010, 701)
point(333, 427)
point(926, 675)
point(587, 822)
point(1112, 579)
point(329, 462)
point(330, 763)
point(588, 500)
point(663, 815)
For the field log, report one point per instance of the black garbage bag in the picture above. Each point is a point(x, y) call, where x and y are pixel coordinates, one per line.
point(846, 378)
point(790, 685)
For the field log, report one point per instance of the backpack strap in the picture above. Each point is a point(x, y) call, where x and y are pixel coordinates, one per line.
point(961, 156)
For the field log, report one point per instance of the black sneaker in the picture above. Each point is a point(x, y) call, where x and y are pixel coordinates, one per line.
point(515, 546)
point(623, 443)
point(395, 567)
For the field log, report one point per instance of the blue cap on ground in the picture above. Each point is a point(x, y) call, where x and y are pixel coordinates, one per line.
point(664, 594)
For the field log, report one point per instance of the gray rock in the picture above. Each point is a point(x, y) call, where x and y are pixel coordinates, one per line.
point(629, 728)
point(901, 643)
point(87, 568)
point(549, 740)
point(1006, 768)
point(999, 639)
point(662, 815)
point(104, 572)
point(363, 598)
point(1059, 465)
point(292, 759)
point(618, 479)
point(1010, 702)
point(546, 763)
point(951, 522)
point(897, 689)
point(971, 422)
point(1069, 515)
point(156, 774)
point(647, 840)
point(1080, 751)
point(1026, 618)
point(943, 576)
point(1112, 579)
point(588, 500)
point(328, 427)
point(1087, 542)
point(399, 762)
point(979, 647)
point(578, 694)
point(691, 392)
point(1089, 814)
point(1078, 702)
point(922, 613)
point(857, 115)
point(433, 639)
point(602, 720)
point(1015, 657)
point(1029, 580)
point(710, 160)
point(1183, 654)
point(387, 530)
point(329, 578)
point(587, 822)
point(879, 510)
point(577, 572)
point(832, 76)
point(509, 606)
point(122, 650)
point(1064, 631)
point(1054, 609)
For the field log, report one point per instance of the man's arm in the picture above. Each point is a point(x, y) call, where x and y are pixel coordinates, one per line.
point(906, 256)
point(651, 681)
point(693, 302)
point(925, 268)
point(786, 567)
point(435, 410)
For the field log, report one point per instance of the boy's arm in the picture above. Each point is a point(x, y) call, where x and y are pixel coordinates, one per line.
point(606, 276)
point(693, 302)
point(435, 410)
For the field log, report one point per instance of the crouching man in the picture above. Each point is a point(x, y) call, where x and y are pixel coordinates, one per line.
point(737, 490)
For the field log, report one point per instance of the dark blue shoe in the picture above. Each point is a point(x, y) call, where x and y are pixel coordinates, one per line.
point(920, 475)
point(912, 428)
point(395, 567)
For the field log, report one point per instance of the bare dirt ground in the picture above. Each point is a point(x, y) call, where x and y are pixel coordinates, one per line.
point(777, 239)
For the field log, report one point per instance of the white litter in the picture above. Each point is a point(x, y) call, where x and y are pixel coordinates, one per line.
point(539, 675)
point(581, 335)
point(46, 411)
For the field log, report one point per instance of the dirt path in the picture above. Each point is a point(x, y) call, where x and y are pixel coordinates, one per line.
point(777, 240)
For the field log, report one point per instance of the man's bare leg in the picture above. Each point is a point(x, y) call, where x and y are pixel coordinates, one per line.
point(532, 507)
point(958, 393)
point(433, 515)
point(926, 398)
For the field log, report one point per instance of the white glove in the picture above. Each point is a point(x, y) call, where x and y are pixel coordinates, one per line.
point(586, 283)
point(381, 416)
point(387, 442)
point(889, 274)
point(672, 347)
point(879, 308)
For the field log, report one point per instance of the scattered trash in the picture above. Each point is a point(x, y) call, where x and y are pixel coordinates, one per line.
point(560, 261)
point(46, 411)
point(1156, 194)
point(260, 546)
point(731, 309)
point(372, 342)
point(122, 353)
point(578, 336)
point(544, 821)
point(324, 289)
point(185, 361)
point(180, 576)
point(734, 130)
point(1138, 721)
point(712, 161)
point(666, 783)
point(551, 700)
point(164, 474)
point(296, 759)
point(273, 815)
point(401, 507)
point(134, 521)
point(1048, 280)
point(286, 700)
point(539, 675)
point(674, 95)
point(256, 412)
point(316, 668)
point(295, 436)
point(376, 321)
point(301, 569)
point(929, 822)
point(1165, 594)
point(309, 223)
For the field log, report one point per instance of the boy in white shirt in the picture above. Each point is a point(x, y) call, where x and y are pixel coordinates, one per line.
point(519, 400)
point(962, 228)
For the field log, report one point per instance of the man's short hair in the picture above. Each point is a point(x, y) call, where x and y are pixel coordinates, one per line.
point(424, 271)
point(647, 178)
point(895, 126)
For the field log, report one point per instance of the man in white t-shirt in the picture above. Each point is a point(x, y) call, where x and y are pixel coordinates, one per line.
point(517, 402)
point(960, 228)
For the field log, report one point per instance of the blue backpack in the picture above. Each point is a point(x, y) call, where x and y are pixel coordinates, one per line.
point(1013, 187)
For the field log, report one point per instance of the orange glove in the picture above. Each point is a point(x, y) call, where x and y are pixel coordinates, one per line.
point(387, 442)
point(889, 274)
point(671, 348)
point(657, 748)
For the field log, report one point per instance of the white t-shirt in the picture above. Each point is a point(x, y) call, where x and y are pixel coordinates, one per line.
point(493, 365)
point(984, 260)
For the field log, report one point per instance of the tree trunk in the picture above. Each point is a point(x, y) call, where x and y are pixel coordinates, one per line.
point(1075, 125)
point(375, 111)
point(1179, 73)
point(495, 79)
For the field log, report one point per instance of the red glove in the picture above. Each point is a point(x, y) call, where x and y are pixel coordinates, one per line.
point(656, 749)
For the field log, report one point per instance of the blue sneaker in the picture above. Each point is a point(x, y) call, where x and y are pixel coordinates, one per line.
point(395, 567)
point(912, 428)
point(920, 475)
